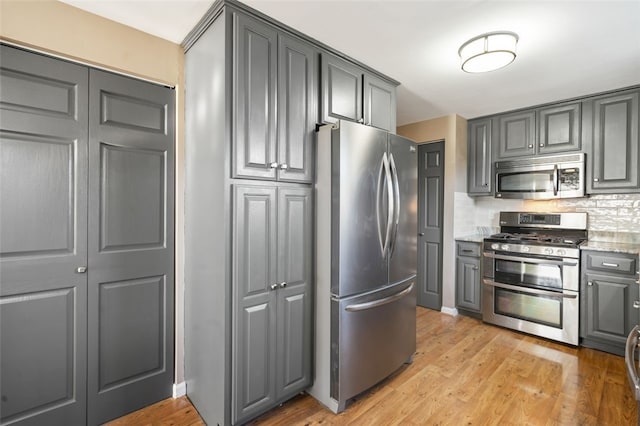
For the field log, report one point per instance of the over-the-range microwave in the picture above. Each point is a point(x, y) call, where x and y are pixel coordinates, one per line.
point(542, 178)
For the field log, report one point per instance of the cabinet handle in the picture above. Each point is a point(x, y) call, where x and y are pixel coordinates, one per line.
point(589, 283)
point(421, 234)
point(81, 269)
point(273, 286)
point(273, 165)
point(467, 251)
point(283, 284)
point(612, 265)
point(596, 180)
point(636, 304)
point(284, 166)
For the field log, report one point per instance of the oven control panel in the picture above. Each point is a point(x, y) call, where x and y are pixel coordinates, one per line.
point(534, 249)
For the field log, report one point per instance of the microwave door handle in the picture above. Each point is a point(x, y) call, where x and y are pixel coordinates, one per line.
point(555, 180)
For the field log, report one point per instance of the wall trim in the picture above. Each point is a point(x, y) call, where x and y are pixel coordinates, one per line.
point(449, 311)
point(179, 389)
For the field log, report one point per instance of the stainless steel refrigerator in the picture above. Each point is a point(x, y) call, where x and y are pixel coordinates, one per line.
point(366, 245)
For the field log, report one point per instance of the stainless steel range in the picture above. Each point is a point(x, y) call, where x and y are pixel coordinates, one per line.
point(531, 274)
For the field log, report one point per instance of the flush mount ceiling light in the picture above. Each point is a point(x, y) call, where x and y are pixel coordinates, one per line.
point(488, 52)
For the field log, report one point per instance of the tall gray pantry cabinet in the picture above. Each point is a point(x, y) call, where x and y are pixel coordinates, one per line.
point(86, 242)
point(251, 109)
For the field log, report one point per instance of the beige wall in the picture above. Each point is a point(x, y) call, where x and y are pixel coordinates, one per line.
point(61, 30)
point(453, 130)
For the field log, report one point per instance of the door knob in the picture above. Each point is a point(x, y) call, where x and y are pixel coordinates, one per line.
point(81, 269)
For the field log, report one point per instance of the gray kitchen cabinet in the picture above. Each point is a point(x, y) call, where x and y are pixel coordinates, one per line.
point(86, 242)
point(479, 171)
point(611, 126)
point(552, 129)
point(248, 239)
point(275, 81)
point(609, 299)
point(468, 286)
point(349, 92)
point(272, 273)
point(559, 128)
point(515, 134)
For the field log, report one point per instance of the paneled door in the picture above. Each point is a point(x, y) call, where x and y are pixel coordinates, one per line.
point(43, 239)
point(430, 217)
point(131, 283)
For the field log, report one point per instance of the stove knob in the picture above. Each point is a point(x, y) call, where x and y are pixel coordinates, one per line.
point(561, 252)
point(504, 247)
point(548, 250)
point(495, 246)
point(525, 249)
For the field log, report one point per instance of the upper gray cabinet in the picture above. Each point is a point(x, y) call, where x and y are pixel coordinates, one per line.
point(479, 176)
point(611, 133)
point(548, 130)
point(351, 93)
point(274, 77)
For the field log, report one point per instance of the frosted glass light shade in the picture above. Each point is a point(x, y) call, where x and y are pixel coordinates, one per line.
point(488, 52)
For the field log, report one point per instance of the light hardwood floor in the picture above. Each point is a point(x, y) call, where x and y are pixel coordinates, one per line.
point(464, 372)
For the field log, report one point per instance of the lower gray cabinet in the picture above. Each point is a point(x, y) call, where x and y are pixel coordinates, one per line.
point(609, 295)
point(468, 286)
point(271, 337)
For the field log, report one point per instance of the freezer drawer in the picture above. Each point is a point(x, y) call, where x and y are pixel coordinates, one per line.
point(372, 336)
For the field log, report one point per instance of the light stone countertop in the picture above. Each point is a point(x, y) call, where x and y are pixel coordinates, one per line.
point(472, 238)
point(616, 247)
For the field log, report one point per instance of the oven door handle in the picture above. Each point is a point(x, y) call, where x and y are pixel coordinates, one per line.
point(529, 259)
point(530, 290)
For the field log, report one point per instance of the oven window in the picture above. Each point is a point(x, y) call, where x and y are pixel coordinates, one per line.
point(534, 308)
point(545, 275)
point(541, 181)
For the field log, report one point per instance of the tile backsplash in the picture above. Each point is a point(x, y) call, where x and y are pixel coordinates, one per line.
point(612, 217)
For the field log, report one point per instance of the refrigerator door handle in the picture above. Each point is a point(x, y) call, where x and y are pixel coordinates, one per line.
point(630, 361)
point(383, 244)
point(391, 204)
point(396, 207)
point(375, 303)
point(384, 167)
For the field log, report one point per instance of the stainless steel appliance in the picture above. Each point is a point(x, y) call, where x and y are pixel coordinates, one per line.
point(366, 225)
point(631, 361)
point(560, 176)
point(531, 274)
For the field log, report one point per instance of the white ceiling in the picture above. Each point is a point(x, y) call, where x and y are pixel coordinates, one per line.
point(567, 48)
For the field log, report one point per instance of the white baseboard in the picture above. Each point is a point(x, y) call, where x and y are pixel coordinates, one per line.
point(179, 389)
point(449, 311)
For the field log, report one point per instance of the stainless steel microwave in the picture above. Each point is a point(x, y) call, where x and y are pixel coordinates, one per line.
point(542, 178)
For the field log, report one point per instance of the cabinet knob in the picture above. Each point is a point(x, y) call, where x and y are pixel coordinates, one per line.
point(361, 121)
point(273, 165)
point(636, 304)
point(541, 145)
point(81, 269)
point(284, 166)
point(283, 284)
point(421, 234)
point(596, 180)
point(273, 286)
point(530, 146)
point(589, 283)
point(475, 268)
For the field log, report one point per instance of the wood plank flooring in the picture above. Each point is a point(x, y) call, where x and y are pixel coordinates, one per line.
point(464, 372)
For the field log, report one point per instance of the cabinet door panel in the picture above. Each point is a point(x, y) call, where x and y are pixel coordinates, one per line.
point(254, 303)
point(379, 103)
point(297, 111)
point(43, 239)
point(341, 90)
point(610, 315)
point(479, 176)
point(615, 158)
point(468, 283)
point(559, 128)
point(295, 210)
point(516, 134)
point(254, 76)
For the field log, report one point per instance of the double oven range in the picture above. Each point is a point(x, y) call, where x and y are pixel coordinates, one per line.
point(531, 274)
